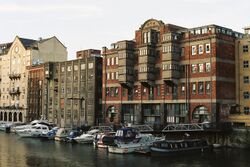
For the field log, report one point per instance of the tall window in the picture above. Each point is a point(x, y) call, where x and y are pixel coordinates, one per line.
point(194, 68)
point(200, 49)
point(245, 48)
point(208, 67)
point(201, 68)
point(245, 64)
point(208, 87)
point(193, 50)
point(194, 88)
point(200, 87)
point(246, 79)
point(183, 88)
point(158, 90)
point(208, 48)
point(108, 61)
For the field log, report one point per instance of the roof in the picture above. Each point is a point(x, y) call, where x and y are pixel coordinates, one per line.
point(27, 42)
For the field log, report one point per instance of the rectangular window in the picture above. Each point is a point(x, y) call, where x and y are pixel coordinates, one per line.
point(182, 51)
point(116, 75)
point(82, 66)
point(201, 68)
point(69, 68)
point(112, 61)
point(193, 50)
point(116, 91)
point(246, 110)
point(183, 88)
point(208, 67)
point(158, 90)
point(208, 87)
point(108, 61)
point(246, 95)
point(194, 88)
point(200, 49)
point(200, 88)
point(116, 61)
point(246, 79)
point(108, 76)
point(91, 65)
point(245, 48)
point(208, 48)
point(62, 69)
point(194, 68)
point(123, 91)
point(75, 67)
point(112, 75)
point(245, 64)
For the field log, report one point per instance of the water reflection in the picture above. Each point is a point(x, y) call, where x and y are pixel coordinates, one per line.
point(15, 151)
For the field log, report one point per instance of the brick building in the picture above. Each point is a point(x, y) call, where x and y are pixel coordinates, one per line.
point(170, 74)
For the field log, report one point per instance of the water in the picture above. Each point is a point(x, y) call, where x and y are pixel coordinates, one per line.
point(20, 152)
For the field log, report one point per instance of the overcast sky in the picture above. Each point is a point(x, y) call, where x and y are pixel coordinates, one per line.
point(83, 24)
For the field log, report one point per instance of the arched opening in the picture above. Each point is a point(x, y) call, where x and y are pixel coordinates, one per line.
point(20, 117)
point(10, 116)
point(15, 117)
point(111, 113)
point(201, 114)
point(5, 116)
point(1, 116)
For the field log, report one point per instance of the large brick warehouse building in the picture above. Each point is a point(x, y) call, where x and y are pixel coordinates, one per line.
point(170, 74)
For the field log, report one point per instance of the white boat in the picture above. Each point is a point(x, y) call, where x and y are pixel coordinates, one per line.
point(37, 130)
point(26, 126)
point(101, 139)
point(86, 138)
point(62, 134)
point(129, 140)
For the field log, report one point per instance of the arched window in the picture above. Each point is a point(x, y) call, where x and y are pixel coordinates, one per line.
point(10, 116)
point(201, 114)
point(1, 116)
point(20, 117)
point(5, 116)
point(15, 117)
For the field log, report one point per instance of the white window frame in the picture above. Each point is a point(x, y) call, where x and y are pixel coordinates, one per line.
point(201, 49)
point(208, 46)
point(193, 50)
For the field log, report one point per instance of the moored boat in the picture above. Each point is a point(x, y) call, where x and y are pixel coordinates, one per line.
point(35, 131)
point(179, 146)
point(129, 140)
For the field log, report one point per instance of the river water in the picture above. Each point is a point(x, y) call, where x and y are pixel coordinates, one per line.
point(24, 152)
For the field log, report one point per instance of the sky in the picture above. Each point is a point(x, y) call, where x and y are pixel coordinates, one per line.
point(92, 24)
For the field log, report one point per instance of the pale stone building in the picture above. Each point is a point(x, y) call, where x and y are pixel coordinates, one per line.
point(15, 57)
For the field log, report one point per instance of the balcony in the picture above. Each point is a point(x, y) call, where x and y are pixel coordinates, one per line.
point(14, 76)
point(170, 56)
point(14, 91)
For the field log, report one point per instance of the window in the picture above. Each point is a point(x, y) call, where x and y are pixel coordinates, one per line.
point(246, 79)
point(112, 75)
point(116, 75)
point(158, 90)
point(200, 49)
point(194, 68)
point(208, 67)
point(112, 61)
point(207, 48)
point(182, 51)
point(108, 61)
point(183, 88)
point(108, 76)
point(245, 48)
point(193, 50)
point(69, 68)
point(201, 68)
point(91, 65)
point(246, 95)
point(82, 66)
point(208, 87)
point(246, 110)
point(200, 86)
point(116, 91)
point(75, 67)
point(194, 88)
point(62, 69)
point(245, 64)
point(116, 60)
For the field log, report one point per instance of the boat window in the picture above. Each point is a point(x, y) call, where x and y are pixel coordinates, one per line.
point(44, 128)
point(38, 128)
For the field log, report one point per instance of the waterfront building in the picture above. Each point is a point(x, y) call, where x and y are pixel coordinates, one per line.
point(241, 116)
point(15, 58)
point(170, 74)
point(71, 95)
